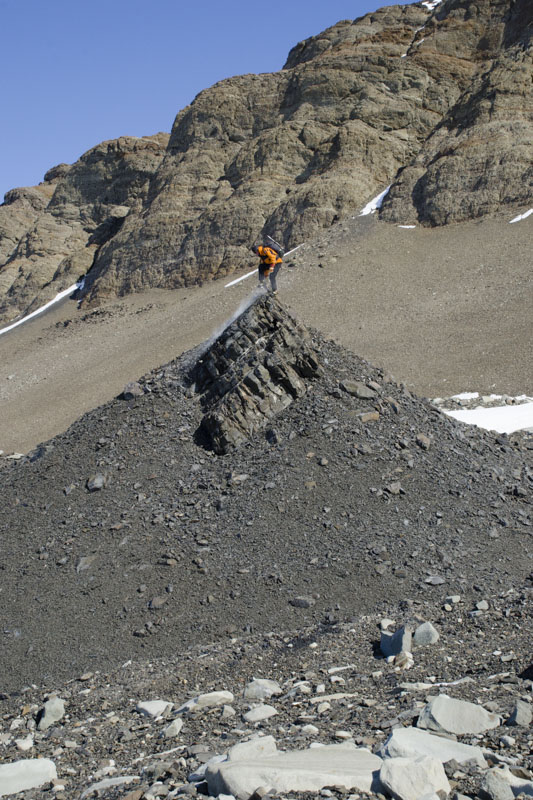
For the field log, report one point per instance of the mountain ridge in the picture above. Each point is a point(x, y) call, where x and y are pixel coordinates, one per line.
point(360, 106)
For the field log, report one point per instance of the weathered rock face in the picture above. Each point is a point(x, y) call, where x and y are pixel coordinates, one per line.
point(49, 234)
point(479, 158)
point(254, 370)
point(435, 102)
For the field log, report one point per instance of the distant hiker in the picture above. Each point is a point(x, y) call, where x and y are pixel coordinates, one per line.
point(269, 266)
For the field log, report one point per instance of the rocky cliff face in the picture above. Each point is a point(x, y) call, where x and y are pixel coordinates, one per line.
point(436, 102)
point(478, 158)
point(49, 234)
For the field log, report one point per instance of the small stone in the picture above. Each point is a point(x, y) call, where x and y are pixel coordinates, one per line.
point(434, 580)
point(132, 390)
point(302, 602)
point(259, 713)
point(521, 714)
point(343, 735)
point(425, 635)
point(52, 711)
point(357, 389)
point(154, 708)
point(208, 700)
point(392, 644)
point(482, 605)
point(423, 441)
point(494, 786)
point(25, 744)
point(309, 730)
point(96, 482)
point(261, 689)
point(369, 416)
point(173, 729)
point(157, 602)
point(85, 563)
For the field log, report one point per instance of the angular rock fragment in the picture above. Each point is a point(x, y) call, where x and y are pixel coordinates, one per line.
point(208, 700)
point(52, 711)
point(261, 689)
point(413, 742)
point(425, 634)
point(392, 644)
point(411, 778)
point(444, 714)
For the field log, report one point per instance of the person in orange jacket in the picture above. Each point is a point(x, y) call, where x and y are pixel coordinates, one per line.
point(269, 265)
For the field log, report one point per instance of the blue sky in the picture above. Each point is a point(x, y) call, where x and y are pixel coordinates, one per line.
point(75, 73)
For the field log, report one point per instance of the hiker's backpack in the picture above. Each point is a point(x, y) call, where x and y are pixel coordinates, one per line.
point(270, 242)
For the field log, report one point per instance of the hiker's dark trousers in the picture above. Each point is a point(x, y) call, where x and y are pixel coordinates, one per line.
point(272, 276)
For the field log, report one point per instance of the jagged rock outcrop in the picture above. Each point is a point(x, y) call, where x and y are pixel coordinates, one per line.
point(254, 370)
point(433, 100)
point(49, 234)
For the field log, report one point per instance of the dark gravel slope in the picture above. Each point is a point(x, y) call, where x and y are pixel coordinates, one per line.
point(326, 508)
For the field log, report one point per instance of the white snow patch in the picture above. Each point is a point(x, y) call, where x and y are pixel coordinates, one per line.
point(522, 216)
point(374, 204)
point(407, 227)
point(57, 298)
point(431, 4)
point(502, 419)
point(465, 396)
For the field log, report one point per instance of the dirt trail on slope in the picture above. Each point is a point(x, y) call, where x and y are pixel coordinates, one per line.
point(445, 310)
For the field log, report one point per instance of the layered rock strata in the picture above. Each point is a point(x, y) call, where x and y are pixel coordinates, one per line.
point(254, 370)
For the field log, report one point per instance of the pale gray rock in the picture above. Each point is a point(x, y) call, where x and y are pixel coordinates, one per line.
point(521, 714)
point(259, 713)
point(29, 773)
point(96, 482)
point(413, 742)
point(425, 634)
point(495, 786)
point(257, 747)
point(411, 778)
point(261, 689)
point(52, 711)
point(208, 700)
point(84, 563)
point(173, 729)
point(132, 390)
point(25, 744)
point(108, 783)
point(392, 644)
point(358, 389)
point(342, 765)
point(154, 708)
point(446, 715)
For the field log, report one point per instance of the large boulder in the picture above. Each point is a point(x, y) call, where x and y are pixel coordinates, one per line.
point(342, 765)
